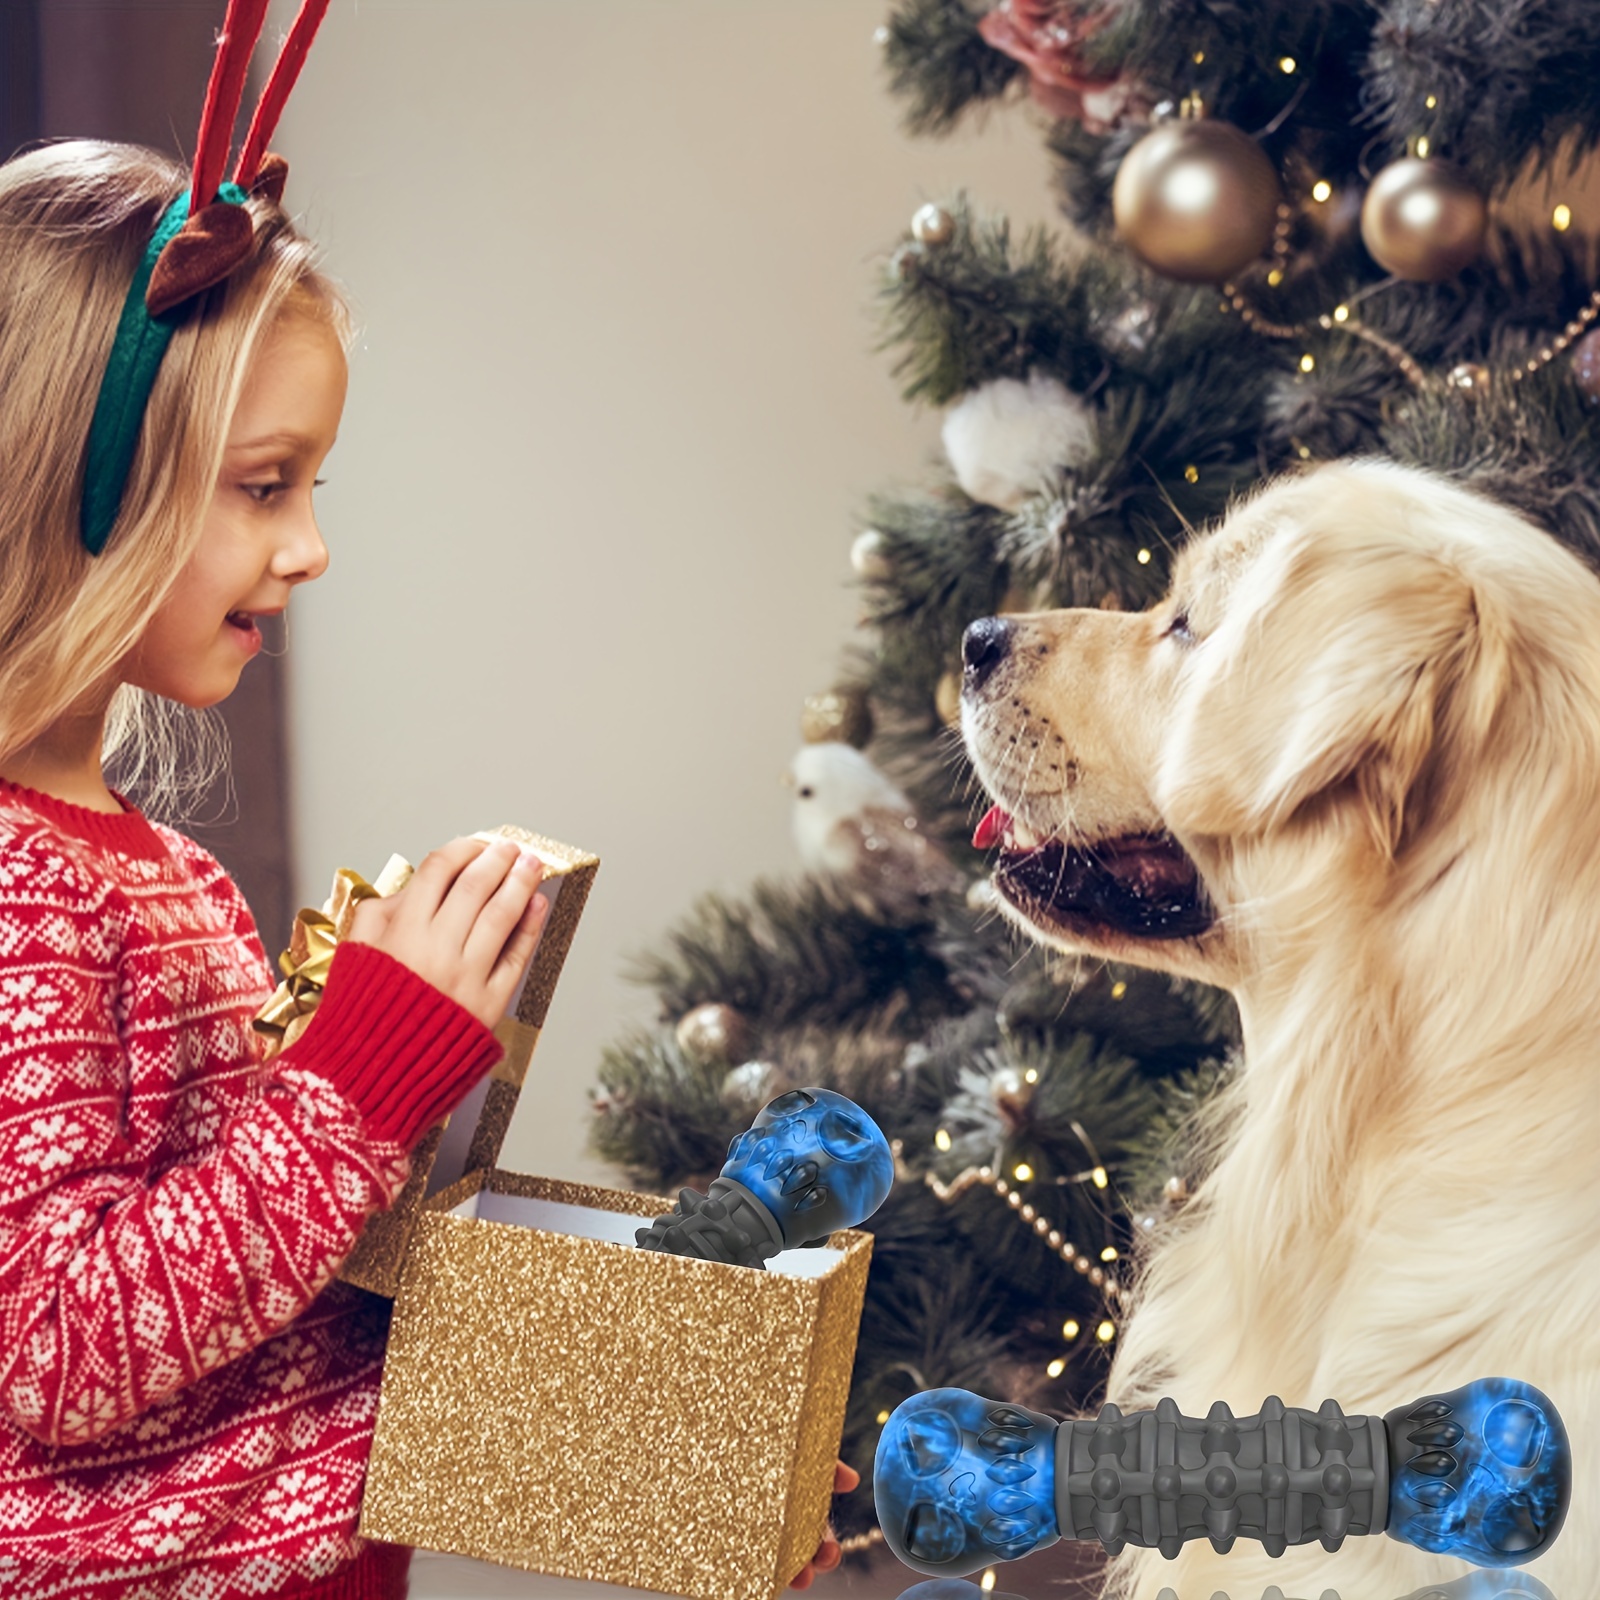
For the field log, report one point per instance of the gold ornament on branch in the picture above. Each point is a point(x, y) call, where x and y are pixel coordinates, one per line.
point(1196, 199)
point(1469, 375)
point(868, 558)
point(837, 716)
point(1423, 220)
point(933, 225)
point(749, 1086)
point(713, 1033)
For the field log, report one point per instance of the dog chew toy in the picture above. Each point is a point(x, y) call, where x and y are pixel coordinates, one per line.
point(1474, 1586)
point(811, 1162)
point(1482, 1472)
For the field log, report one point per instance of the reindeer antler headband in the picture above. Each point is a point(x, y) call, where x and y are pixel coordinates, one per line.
point(202, 237)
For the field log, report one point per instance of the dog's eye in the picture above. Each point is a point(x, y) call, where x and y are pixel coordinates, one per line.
point(1178, 628)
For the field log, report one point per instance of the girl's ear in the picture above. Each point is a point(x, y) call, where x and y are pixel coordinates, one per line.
point(1333, 674)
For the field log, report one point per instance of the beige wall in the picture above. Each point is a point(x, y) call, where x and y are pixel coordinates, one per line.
point(614, 408)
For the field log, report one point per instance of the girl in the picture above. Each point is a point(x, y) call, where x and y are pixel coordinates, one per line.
point(183, 1408)
point(186, 1397)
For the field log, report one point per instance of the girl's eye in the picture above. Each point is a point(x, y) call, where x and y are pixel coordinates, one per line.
point(263, 493)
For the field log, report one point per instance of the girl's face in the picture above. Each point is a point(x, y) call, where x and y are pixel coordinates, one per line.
point(260, 537)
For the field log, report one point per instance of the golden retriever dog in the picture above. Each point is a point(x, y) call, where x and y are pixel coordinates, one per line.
point(1348, 769)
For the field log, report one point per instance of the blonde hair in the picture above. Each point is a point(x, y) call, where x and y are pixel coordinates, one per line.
point(74, 219)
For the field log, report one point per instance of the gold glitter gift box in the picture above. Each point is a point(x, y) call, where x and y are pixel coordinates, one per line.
point(469, 1139)
point(559, 1400)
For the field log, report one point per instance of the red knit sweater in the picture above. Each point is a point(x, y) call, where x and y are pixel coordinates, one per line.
point(186, 1405)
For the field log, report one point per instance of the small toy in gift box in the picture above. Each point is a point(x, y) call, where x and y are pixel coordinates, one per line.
point(471, 1137)
point(556, 1398)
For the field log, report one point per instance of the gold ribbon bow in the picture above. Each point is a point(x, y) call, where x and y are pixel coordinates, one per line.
point(312, 942)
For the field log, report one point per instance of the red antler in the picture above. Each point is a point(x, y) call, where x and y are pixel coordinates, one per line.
point(240, 30)
point(277, 91)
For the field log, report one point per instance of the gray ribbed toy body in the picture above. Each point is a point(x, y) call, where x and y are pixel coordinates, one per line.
point(1284, 1476)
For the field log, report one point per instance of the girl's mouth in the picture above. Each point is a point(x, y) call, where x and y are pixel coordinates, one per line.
point(243, 624)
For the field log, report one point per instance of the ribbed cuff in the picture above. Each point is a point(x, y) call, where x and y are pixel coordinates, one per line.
point(398, 1049)
point(378, 1573)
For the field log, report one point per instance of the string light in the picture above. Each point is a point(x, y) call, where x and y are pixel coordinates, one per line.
point(1561, 218)
point(1031, 1075)
point(1287, 64)
point(1341, 313)
point(1199, 56)
point(859, 1542)
point(1431, 101)
point(1023, 1173)
point(986, 1582)
point(883, 1417)
point(1253, 318)
point(1308, 362)
point(1144, 558)
point(1549, 352)
point(1106, 1332)
point(1109, 1253)
point(1056, 1367)
point(1053, 1237)
point(1120, 988)
point(1275, 276)
point(1321, 190)
point(941, 1140)
point(1423, 146)
point(1070, 1329)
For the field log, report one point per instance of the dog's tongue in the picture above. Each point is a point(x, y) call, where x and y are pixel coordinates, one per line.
point(992, 829)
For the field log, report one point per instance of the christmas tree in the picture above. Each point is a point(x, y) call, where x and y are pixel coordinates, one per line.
point(1281, 245)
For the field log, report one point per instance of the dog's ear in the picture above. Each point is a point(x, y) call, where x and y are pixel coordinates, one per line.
point(1333, 676)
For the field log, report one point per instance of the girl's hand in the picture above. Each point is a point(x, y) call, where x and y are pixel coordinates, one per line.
point(828, 1552)
point(467, 922)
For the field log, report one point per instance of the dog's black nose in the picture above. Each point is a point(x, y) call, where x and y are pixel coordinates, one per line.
point(983, 648)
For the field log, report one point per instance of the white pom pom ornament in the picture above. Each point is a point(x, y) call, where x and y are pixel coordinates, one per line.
point(1007, 439)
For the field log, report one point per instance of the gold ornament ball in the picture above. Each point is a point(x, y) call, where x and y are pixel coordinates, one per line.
point(1469, 375)
point(749, 1086)
point(947, 699)
point(868, 559)
point(837, 716)
point(1196, 200)
point(712, 1033)
point(933, 225)
point(1423, 220)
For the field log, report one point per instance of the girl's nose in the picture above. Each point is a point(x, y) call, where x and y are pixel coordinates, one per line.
point(304, 556)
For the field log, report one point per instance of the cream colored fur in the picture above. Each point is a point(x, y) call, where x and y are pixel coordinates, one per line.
point(1380, 743)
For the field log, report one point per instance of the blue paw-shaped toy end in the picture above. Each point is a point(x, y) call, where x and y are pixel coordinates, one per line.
point(1484, 1472)
point(961, 1482)
point(816, 1161)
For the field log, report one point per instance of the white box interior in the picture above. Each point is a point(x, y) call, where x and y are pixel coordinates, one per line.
point(585, 1222)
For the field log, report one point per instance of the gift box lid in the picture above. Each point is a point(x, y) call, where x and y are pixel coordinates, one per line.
point(470, 1138)
point(558, 1400)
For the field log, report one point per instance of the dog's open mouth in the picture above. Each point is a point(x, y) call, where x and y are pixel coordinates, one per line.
point(1142, 885)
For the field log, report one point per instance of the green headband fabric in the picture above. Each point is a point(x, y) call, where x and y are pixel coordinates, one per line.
point(136, 356)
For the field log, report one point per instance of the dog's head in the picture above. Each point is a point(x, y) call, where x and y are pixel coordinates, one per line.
point(1329, 666)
